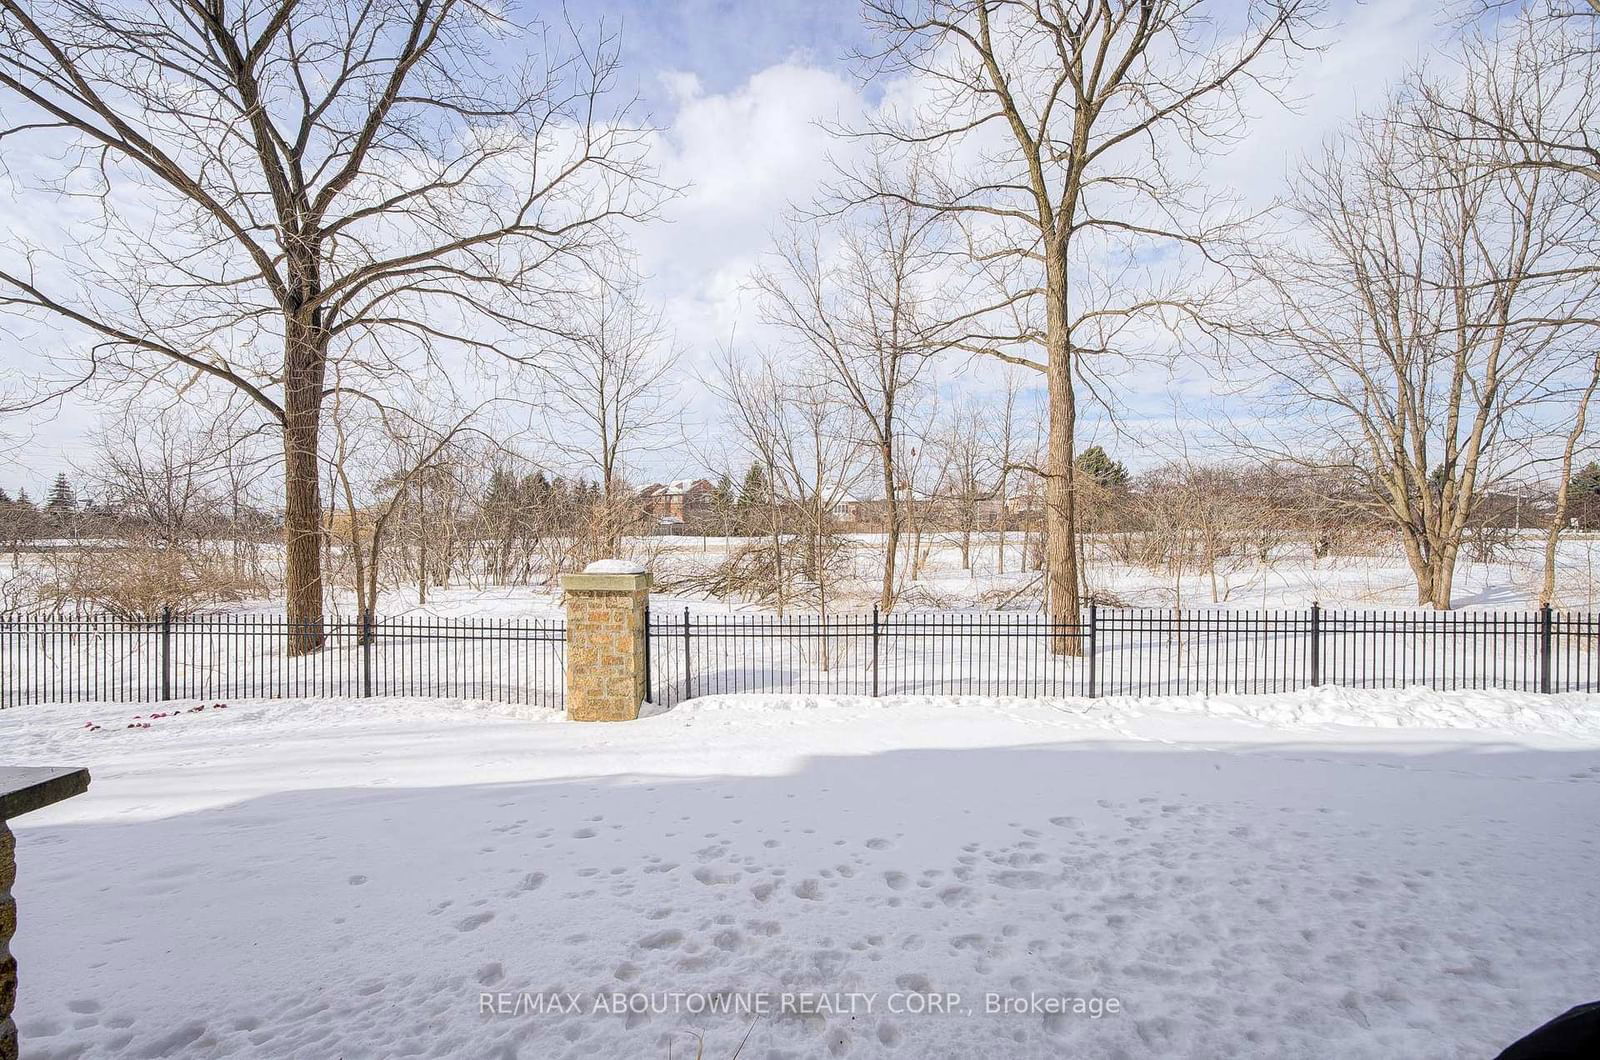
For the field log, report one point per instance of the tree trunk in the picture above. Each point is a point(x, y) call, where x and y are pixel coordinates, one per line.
point(967, 519)
point(891, 527)
point(370, 605)
point(422, 549)
point(1000, 523)
point(306, 363)
point(1558, 518)
point(1060, 544)
point(1418, 559)
point(1444, 576)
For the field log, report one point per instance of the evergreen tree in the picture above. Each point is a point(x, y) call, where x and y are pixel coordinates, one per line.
point(722, 502)
point(1585, 482)
point(19, 520)
point(537, 490)
point(501, 496)
point(62, 499)
point(722, 496)
point(5, 498)
point(1439, 478)
point(1094, 464)
point(755, 491)
point(755, 495)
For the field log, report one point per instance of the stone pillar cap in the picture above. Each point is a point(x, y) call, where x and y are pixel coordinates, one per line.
point(614, 566)
point(602, 581)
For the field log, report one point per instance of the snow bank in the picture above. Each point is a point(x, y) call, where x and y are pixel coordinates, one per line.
point(1569, 717)
point(1323, 874)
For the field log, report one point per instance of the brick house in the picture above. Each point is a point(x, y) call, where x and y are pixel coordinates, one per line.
point(678, 501)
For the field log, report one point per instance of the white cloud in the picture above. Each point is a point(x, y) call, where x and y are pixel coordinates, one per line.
point(746, 154)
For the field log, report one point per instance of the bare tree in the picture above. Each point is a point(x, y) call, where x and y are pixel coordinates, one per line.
point(1421, 314)
point(1559, 512)
point(613, 400)
point(1063, 119)
point(793, 426)
point(339, 182)
point(1001, 437)
point(1537, 10)
point(864, 309)
point(965, 484)
point(397, 450)
point(162, 519)
point(1533, 105)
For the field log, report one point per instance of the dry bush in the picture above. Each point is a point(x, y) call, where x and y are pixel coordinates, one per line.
point(919, 597)
point(1105, 598)
point(1029, 597)
point(1138, 548)
point(784, 572)
point(137, 581)
point(1488, 544)
point(751, 571)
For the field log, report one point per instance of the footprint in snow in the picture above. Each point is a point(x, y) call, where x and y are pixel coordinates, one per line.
point(475, 921)
point(661, 940)
point(808, 890)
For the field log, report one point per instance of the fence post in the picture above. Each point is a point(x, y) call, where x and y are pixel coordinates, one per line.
point(166, 653)
point(648, 697)
point(688, 689)
point(1544, 648)
point(1316, 643)
point(1093, 661)
point(367, 638)
point(874, 650)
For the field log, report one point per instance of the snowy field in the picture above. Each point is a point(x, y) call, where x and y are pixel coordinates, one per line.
point(1320, 874)
point(1292, 578)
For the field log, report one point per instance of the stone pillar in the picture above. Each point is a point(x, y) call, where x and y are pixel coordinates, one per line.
point(605, 640)
point(8, 925)
point(23, 789)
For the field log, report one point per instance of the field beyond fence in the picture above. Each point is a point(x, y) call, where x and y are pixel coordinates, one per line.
point(1123, 652)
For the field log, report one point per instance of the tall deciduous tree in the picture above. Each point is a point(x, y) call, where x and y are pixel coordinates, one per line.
point(1532, 105)
point(1058, 121)
point(284, 184)
point(1423, 321)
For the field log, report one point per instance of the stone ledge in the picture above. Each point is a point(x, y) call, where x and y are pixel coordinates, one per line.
point(24, 789)
point(616, 583)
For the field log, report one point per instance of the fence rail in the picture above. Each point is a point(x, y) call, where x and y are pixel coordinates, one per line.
point(1120, 652)
point(67, 658)
point(64, 658)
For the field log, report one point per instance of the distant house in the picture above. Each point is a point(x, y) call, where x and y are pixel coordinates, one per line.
point(677, 502)
point(864, 513)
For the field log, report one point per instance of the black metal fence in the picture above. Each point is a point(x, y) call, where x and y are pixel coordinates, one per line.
point(69, 658)
point(60, 658)
point(1119, 652)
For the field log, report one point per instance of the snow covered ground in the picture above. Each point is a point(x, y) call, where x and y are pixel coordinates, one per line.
point(1292, 579)
point(1318, 874)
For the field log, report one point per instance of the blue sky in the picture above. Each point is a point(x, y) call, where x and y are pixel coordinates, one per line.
point(725, 42)
point(738, 89)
